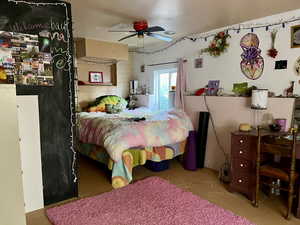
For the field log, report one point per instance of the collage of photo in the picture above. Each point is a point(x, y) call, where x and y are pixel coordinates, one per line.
point(25, 59)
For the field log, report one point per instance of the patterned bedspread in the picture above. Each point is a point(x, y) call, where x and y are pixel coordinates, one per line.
point(117, 133)
point(122, 170)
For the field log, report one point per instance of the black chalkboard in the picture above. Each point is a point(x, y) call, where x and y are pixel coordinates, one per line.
point(56, 104)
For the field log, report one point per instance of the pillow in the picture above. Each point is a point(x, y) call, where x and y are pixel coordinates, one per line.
point(99, 104)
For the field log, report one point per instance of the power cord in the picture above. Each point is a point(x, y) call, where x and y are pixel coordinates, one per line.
point(225, 169)
point(212, 121)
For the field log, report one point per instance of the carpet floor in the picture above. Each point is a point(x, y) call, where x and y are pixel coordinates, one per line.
point(203, 183)
point(152, 201)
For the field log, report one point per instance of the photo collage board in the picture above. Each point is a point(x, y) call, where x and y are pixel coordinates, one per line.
point(25, 60)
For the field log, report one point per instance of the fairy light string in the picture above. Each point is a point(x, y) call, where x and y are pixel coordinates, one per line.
point(69, 63)
point(281, 24)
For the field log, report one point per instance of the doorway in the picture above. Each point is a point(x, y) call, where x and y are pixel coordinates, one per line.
point(164, 88)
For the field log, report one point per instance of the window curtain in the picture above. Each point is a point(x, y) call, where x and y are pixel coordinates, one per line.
point(180, 84)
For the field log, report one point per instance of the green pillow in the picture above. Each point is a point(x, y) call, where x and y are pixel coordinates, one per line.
point(99, 104)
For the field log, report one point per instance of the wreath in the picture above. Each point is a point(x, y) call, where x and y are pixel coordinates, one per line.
point(218, 45)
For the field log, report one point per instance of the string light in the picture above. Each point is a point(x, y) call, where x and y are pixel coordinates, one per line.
point(204, 37)
point(69, 62)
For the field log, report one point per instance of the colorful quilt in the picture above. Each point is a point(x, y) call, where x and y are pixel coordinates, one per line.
point(122, 169)
point(117, 133)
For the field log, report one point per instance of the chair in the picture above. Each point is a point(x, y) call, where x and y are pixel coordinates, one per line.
point(269, 172)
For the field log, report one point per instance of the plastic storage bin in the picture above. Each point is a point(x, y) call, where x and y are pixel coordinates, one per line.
point(157, 166)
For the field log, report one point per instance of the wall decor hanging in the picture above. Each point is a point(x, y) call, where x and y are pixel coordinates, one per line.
point(198, 63)
point(295, 36)
point(252, 64)
point(218, 45)
point(272, 52)
point(297, 67)
point(23, 62)
point(281, 65)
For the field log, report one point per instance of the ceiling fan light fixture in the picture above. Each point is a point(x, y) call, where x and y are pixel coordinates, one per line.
point(140, 25)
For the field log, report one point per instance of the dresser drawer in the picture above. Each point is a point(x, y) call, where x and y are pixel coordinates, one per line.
point(242, 165)
point(241, 182)
point(243, 146)
point(241, 141)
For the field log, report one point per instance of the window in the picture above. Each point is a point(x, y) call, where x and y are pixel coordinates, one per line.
point(164, 81)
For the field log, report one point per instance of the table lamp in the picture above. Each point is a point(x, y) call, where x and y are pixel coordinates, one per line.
point(259, 102)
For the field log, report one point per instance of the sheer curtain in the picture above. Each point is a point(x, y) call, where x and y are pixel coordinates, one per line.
point(180, 84)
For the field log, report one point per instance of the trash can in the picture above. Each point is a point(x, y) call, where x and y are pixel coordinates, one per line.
point(190, 155)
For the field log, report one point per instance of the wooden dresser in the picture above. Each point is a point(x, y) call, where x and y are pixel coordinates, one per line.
point(243, 156)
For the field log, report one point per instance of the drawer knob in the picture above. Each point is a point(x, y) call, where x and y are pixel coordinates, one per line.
point(241, 141)
point(241, 152)
point(242, 165)
point(240, 180)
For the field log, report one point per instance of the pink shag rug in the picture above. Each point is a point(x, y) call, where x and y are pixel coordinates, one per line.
point(153, 201)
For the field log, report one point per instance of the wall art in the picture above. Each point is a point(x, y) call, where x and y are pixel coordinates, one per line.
point(281, 65)
point(198, 63)
point(218, 45)
point(295, 36)
point(96, 77)
point(22, 62)
point(252, 64)
point(272, 52)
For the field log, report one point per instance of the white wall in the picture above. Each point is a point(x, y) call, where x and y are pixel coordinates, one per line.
point(227, 121)
point(226, 67)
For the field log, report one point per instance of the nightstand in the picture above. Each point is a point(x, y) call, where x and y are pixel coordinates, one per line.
point(243, 155)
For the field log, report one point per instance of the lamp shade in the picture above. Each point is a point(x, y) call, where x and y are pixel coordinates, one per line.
point(259, 99)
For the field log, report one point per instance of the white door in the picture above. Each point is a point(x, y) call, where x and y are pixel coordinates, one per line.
point(29, 130)
point(12, 210)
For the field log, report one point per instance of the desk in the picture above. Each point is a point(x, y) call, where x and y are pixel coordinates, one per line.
point(243, 164)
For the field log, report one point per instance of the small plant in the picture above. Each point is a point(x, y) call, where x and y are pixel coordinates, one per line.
point(272, 52)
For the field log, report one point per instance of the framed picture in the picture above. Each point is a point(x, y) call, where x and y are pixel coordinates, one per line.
point(198, 63)
point(295, 36)
point(213, 87)
point(96, 77)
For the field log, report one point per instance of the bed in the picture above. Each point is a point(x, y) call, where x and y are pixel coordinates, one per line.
point(130, 138)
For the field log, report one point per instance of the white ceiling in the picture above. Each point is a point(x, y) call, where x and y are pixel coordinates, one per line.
point(93, 18)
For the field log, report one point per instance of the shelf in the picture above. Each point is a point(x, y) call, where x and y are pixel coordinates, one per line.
point(96, 85)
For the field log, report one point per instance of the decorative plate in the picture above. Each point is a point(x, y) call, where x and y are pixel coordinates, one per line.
point(297, 66)
point(252, 64)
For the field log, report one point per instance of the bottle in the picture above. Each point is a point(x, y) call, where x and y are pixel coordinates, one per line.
point(273, 188)
point(277, 190)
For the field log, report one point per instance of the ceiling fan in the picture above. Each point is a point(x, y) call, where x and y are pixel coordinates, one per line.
point(141, 29)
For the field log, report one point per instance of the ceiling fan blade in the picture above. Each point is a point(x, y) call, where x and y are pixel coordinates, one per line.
point(155, 29)
point(129, 36)
point(160, 37)
point(127, 31)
